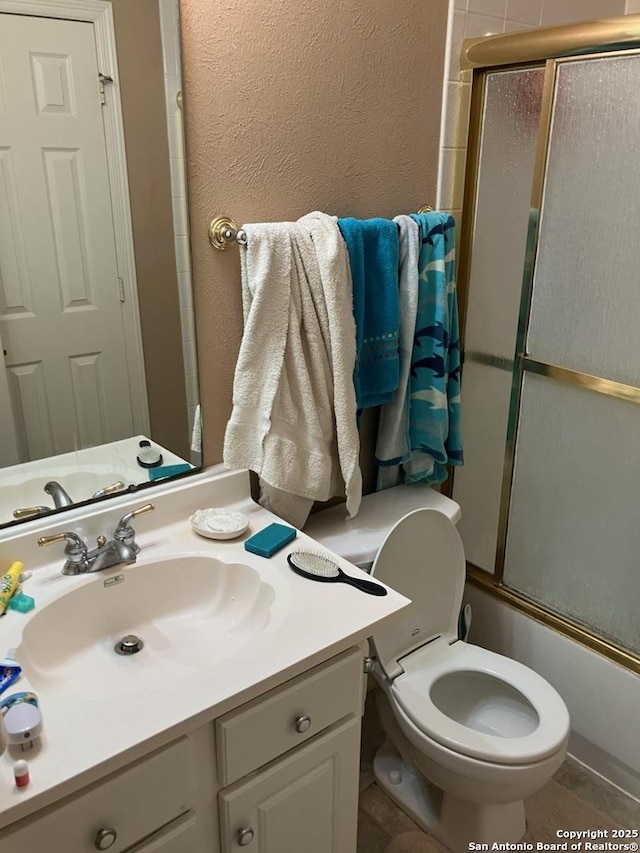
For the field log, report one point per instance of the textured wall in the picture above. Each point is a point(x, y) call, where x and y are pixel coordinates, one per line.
point(293, 106)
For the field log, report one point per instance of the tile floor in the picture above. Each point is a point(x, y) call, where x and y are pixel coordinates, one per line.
point(574, 799)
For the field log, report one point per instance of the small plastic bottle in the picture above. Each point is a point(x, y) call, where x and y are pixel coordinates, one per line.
point(21, 773)
point(148, 457)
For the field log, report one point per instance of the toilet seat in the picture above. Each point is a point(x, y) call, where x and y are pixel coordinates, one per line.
point(413, 691)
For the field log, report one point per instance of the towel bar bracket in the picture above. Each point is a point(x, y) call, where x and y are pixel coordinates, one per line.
point(224, 232)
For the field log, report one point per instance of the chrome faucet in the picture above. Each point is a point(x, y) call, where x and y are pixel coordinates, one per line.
point(60, 497)
point(120, 551)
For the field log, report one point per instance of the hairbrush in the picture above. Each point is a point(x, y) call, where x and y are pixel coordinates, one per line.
point(318, 567)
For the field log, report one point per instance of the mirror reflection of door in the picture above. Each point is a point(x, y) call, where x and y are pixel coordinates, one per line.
point(65, 374)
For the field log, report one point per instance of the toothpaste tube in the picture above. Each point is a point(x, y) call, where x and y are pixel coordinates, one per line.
point(9, 670)
point(8, 584)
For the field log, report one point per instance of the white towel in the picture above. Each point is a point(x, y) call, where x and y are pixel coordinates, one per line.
point(393, 446)
point(294, 414)
point(196, 431)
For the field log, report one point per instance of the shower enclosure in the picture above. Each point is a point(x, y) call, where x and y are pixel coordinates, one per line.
point(550, 289)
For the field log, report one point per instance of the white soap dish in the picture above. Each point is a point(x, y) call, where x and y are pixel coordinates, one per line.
point(219, 523)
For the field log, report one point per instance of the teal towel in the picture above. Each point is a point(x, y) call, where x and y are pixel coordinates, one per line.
point(435, 429)
point(373, 257)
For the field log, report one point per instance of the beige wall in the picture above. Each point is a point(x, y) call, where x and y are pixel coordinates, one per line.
point(296, 106)
point(141, 73)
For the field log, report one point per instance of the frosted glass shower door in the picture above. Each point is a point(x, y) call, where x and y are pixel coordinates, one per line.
point(573, 543)
point(509, 130)
point(585, 311)
point(573, 537)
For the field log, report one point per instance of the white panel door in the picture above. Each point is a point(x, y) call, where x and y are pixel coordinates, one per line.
point(60, 310)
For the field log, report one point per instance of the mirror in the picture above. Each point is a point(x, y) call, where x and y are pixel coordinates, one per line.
point(97, 339)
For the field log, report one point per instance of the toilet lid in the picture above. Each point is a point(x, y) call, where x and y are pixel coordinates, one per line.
point(481, 704)
point(422, 557)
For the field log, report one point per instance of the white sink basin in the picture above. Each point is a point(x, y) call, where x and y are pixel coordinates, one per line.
point(190, 611)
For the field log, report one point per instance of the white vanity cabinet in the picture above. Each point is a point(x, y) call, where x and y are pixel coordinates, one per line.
point(278, 774)
point(289, 764)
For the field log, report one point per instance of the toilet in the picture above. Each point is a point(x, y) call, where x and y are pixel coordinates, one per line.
point(470, 733)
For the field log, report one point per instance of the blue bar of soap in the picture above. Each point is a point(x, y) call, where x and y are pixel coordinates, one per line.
point(270, 539)
point(23, 603)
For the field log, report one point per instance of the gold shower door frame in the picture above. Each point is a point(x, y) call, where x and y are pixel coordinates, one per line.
point(548, 46)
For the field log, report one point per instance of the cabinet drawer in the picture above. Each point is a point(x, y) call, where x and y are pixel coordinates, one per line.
point(287, 716)
point(179, 836)
point(130, 805)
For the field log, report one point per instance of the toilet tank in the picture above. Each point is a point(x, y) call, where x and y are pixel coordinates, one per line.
point(359, 539)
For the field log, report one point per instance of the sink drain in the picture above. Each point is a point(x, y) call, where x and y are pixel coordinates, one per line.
point(129, 645)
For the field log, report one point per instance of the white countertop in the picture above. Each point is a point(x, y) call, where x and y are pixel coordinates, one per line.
point(84, 739)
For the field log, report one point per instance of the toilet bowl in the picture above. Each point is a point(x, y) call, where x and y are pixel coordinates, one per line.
point(470, 733)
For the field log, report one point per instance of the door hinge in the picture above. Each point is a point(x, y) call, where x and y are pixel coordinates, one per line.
point(121, 289)
point(102, 79)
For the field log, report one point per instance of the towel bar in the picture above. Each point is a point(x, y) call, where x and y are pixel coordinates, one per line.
point(224, 232)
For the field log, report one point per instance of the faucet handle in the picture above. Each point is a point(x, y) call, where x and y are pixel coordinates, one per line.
point(124, 532)
point(109, 490)
point(74, 542)
point(31, 511)
point(75, 551)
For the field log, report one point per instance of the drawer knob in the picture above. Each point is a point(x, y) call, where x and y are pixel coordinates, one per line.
point(105, 838)
point(244, 837)
point(302, 723)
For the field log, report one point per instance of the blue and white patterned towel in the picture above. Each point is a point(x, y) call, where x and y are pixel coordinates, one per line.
point(434, 382)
